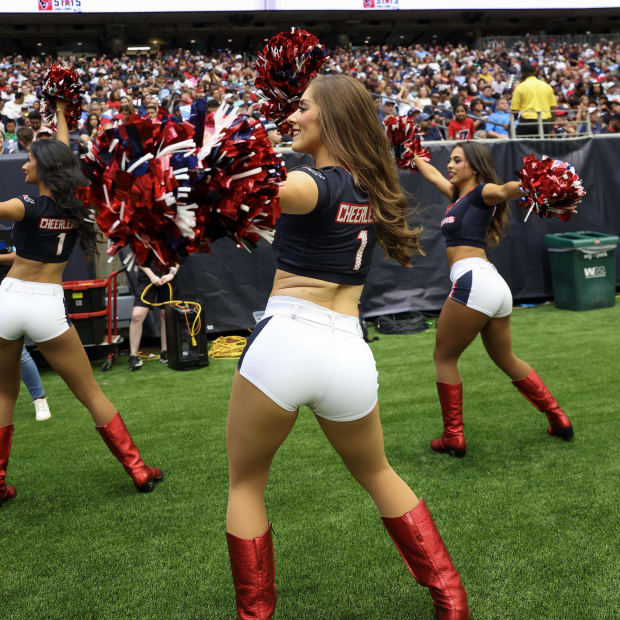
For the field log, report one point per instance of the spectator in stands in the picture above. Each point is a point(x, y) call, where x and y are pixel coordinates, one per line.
point(486, 96)
point(461, 127)
point(614, 124)
point(389, 109)
point(10, 133)
point(479, 115)
point(36, 123)
point(594, 92)
point(423, 99)
point(273, 134)
point(498, 123)
point(562, 126)
point(15, 109)
point(45, 133)
point(2, 145)
point(25, 137)
point(530, 98)
point(91, 127)
point(596, 125)
point(428, 131)
point(98, 96)
point(125, 112)
point(151, 111)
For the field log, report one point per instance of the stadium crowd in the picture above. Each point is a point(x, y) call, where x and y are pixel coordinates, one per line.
point(453, 91)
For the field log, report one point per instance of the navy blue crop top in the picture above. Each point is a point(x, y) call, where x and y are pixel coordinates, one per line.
point(45, 234)
point(467, 220)
point(335, 241)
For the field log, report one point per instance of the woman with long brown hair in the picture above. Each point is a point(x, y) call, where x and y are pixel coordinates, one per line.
point(480, 301)
point(308, 349)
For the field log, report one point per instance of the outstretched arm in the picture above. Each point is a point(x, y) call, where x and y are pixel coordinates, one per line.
point(298, 194)
point(7, 259)
point(494, 194)
point(431, 174)
point(62, 130)
point(12, 210)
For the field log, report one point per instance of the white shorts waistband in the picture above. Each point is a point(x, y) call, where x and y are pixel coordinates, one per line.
point(26, 287)
point(295, 308)
point(467, 264)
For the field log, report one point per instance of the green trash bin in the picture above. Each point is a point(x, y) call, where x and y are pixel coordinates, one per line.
point(583, 269)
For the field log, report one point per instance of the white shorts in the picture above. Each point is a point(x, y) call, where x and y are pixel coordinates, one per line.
point(303, 354)
point(477, 285)
point(33, 309)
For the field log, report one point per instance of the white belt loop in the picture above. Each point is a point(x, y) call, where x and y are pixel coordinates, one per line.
point(332, 321)
point(295, 311)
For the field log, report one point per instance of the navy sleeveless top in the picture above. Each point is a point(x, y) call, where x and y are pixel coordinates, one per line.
point(466, 221)
point(335, 241)
point(45, 234)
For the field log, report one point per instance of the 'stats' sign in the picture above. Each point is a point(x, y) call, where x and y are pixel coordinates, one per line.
point(380, 4)
point(61, 6)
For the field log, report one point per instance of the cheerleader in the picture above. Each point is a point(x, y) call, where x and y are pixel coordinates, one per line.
point(46, 228)
point(308, 349)
point(480, 301)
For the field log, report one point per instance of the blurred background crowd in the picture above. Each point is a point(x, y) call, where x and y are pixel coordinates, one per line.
point(452, 91)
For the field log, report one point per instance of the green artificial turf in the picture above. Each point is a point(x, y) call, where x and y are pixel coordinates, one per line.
point(531, 522)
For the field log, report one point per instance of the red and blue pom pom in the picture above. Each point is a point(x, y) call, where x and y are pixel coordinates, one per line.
point(404, 136)
point(61, 83)
point(284, 68)
point(552, 187)
point(159, 193)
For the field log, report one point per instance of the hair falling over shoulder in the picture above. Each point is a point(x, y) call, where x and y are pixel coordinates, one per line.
point(354, 136)
point(59, 169)
point(479, 158)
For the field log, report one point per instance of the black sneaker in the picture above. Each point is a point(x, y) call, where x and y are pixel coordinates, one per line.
point(163, 357)
point(135, 363)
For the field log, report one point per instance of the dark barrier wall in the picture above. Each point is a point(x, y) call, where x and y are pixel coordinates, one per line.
point(232, 284)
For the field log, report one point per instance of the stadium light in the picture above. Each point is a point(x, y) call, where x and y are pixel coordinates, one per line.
point(139, 48)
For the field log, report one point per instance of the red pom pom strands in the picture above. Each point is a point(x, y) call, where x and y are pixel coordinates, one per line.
point(159, 194)
point(140, 189)
point(238, 179)
point(284, 68)
point(404, 136)
point(552, 187)
point(61, 83)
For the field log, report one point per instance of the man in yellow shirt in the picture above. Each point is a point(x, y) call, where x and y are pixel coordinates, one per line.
point(530, 97)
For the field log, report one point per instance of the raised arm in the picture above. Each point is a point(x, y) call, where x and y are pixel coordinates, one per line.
point(494, 194)
point(62, 131)
point(431, 174)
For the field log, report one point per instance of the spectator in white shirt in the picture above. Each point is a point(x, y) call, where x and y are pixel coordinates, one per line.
point(14, 109)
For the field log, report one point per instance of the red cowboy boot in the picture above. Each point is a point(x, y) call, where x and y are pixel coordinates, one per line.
point(118, 439)
point(6, 434)
point(420, 545)
point(537, 393)
point(254, 575)
point(452, 440)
